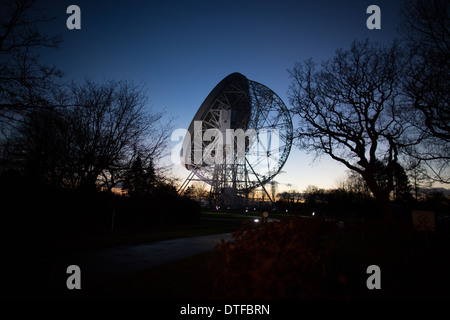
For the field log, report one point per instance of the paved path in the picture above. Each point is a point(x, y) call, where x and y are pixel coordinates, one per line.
point(101, 265)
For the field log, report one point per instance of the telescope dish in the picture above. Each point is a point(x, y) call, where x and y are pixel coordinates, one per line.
point(238, 140)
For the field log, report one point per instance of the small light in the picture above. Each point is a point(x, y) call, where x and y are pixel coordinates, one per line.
point(246, 210)
point(256, 220)
point(287, 210)
point(313, 213)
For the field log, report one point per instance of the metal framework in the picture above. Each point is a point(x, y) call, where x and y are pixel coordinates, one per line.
point(246, 161)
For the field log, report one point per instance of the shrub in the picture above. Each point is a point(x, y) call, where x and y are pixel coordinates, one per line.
point(277, 260)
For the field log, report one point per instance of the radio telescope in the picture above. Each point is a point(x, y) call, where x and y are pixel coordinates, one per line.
point(238, 141)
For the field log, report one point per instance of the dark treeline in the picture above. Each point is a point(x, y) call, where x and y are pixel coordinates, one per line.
point(342, 203)
point(375, 105)
point(66, 147)
point(353, 199)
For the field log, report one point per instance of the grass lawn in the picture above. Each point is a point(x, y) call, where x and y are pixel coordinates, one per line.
point(209, 224)
point(187, 279)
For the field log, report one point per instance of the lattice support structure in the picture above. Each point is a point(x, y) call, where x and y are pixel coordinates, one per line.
point(245, 131)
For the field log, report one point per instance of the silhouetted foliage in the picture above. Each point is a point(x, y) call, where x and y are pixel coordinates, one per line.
point(109, 127)
point(65, 146)
point(40, 147)
point(67, 135)
point(26, 84)
point(351, 109)
point(140, 211)
point(278, 260)
point(92, 141)
point(314, 195)
point(139, 180)
point(426, 30)
point(39, 217)
point(311, 258)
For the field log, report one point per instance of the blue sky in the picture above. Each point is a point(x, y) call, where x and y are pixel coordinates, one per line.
point(182, 49)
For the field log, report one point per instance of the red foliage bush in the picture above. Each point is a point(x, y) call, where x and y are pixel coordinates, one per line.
point(276, 260)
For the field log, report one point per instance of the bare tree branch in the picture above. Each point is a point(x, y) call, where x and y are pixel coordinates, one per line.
point(351, 110)
point(426, 29)
point(25, 83)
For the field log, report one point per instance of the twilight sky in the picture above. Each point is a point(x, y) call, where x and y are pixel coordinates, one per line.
point(182, 49)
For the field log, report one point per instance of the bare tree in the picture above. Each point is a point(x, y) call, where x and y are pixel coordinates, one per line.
point(197, 191)
point(25, 83)
point(94, 139)
point(140, 179)
point(314, 195)
point(39, 147)
point(355, 184)
point(291, 196)
point(426, 30)
point(111, 129)
point(351, 109)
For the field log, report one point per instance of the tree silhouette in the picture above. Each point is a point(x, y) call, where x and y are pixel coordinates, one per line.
point(140, 180)
point(67, 135)
point(426, 30)
point(41, 146)
point(109, 125)
point(402, 187)
point(25, 83)
point(91, 140)
point(351, 109)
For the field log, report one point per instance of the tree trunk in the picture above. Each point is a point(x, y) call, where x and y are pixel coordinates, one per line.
point(386, 210)
point(382, 198)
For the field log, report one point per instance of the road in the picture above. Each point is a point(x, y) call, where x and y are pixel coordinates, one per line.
point(102, 265)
